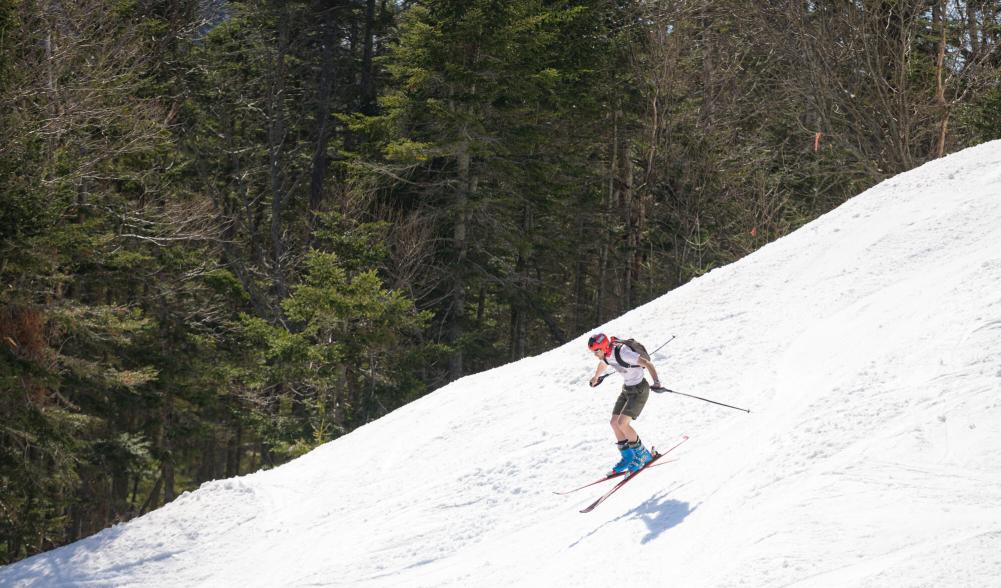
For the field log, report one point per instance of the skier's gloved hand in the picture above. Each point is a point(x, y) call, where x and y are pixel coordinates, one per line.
point(656, 384)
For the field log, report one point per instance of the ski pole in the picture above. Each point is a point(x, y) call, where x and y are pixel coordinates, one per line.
point(661, 390)
point(673, 337)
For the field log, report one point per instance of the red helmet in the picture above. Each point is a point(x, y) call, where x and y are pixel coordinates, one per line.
point(600, 341)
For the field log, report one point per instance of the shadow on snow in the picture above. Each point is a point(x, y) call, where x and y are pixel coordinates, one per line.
point(658, 512)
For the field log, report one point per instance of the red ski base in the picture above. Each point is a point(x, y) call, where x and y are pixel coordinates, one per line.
point(632, 475)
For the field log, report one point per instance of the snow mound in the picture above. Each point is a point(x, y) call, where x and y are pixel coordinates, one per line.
point(867, 346)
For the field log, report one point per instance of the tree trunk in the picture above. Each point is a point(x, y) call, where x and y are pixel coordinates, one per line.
point(119, 492)
point(522, 296)
point(206, 469)
point(602, 287)
point(629, 206)
point(266, 458)
point(481, 304)
point(233, 451)
point(516, 349)
point(939, 17)
point(154, 495)
point(460, 245)
point(324, 91)
point(367, 105)
point(167, 464)
point(580, 277)
point(276, 146)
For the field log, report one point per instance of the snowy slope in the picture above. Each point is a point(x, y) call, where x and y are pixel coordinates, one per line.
point(867, 345)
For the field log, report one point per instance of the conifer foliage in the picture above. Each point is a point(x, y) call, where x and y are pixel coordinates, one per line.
point(232, 231)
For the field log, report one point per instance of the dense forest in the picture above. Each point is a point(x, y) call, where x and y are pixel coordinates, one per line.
point(231, 231)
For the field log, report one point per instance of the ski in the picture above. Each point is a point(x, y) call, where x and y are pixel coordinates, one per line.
point(589, 484)
point(615, 488)
point(620, 474)
point(609, 477)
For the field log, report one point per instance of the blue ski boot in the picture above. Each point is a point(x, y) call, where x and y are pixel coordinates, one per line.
point(641, 457)
point(627, 459)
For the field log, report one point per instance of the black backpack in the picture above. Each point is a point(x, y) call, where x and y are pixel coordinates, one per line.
point(634, 345)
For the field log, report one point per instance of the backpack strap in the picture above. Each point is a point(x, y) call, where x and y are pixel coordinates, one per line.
point(619, 359)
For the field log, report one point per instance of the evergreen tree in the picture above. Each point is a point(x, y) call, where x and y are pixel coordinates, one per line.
point(480, 122)
point(232, 231)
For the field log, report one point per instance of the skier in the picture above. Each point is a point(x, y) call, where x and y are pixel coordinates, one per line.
point(635, 391)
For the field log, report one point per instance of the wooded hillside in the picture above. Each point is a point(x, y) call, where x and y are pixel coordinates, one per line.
point(232, 231)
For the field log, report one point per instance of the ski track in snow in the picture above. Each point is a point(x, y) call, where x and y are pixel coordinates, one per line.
point(867, 345)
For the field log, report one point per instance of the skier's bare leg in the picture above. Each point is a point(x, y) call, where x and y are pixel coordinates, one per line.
point(622, 428)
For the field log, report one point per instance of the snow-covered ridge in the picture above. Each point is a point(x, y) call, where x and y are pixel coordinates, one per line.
point(867, 344)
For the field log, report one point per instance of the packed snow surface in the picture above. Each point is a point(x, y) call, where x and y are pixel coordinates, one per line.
point(867, 346)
